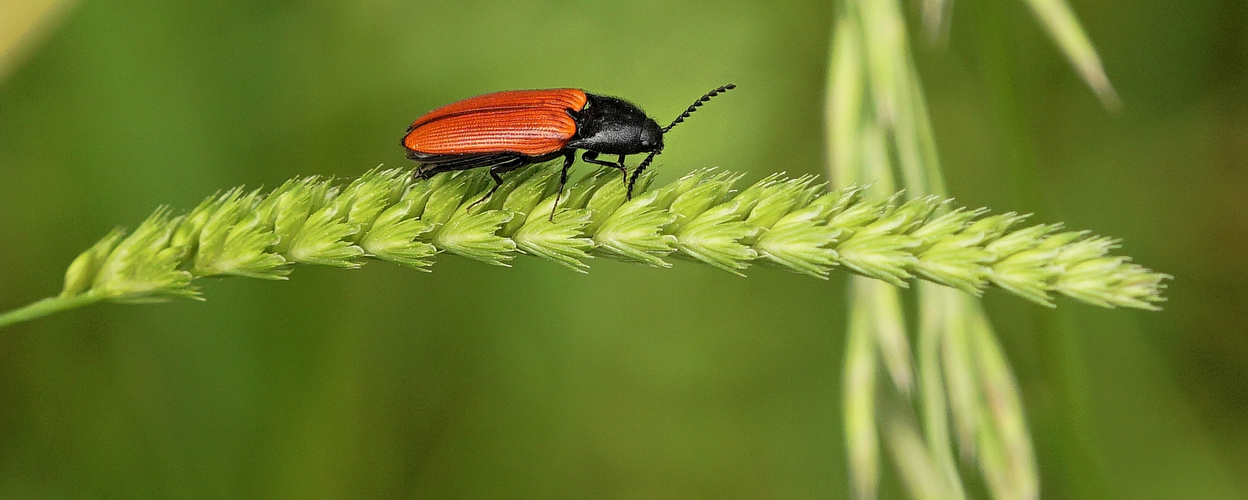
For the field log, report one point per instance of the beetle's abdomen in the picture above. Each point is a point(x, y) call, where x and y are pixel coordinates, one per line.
point(529, 122)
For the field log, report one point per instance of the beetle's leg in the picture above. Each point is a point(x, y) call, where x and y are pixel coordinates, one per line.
point(498, 181)
point(423, 172)
point(592, 157)
point(623, 171)
point(568, 158)
point(495, 170)
point(431, 165)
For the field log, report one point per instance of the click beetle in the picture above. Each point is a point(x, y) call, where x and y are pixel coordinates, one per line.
point(511, 129)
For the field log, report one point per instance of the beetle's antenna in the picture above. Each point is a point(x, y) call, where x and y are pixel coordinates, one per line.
point(637, 173)
point(694, 107)
point(632, 180)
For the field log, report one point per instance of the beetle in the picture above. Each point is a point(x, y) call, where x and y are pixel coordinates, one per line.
point(511, 129)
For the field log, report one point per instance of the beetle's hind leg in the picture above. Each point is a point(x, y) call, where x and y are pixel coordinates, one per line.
point(592, 157)
point(424, 172)
point(431, 164)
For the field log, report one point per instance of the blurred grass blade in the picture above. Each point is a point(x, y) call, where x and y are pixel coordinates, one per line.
point(933, 177)
point(861, 365)
point(885, 46)
point(1007, 458)
point(934, 304)
point(1064, 27)
point(913, 158)
point(889, 328)
point(921, 474)
point(845, 95)
point(936, 20)
point(22, 24)
point(961, 377)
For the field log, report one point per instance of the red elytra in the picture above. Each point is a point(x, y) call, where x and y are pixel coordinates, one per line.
point(508, 130)
point(528, 122)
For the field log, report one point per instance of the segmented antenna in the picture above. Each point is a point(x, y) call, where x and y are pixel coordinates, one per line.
point(694, 107)
point(632, 181)
point(637, 173)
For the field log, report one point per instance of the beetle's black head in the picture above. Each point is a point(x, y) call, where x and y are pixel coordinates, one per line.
point(651, 136)
point(611, 125)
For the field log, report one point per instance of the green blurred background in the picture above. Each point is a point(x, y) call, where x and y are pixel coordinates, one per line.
point(629, 382)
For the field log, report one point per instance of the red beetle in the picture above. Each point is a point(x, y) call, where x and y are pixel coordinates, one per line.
point(508, 130)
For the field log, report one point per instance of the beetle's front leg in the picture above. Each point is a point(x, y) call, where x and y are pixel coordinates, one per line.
point(592, 157)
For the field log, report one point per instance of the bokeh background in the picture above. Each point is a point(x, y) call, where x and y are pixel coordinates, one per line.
point(629, 382)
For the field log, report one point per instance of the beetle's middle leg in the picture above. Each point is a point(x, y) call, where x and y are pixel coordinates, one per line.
point(495, 173)
point(568, 158)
